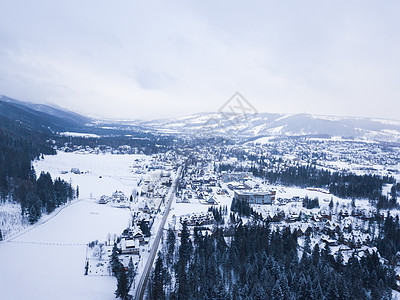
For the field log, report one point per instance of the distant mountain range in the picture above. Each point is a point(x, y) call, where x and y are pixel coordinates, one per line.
point(56, 119)
point(280, 125)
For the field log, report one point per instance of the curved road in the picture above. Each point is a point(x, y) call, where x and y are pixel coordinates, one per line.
point(141, 287)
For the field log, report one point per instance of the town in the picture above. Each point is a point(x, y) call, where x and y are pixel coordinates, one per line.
point(220, 187)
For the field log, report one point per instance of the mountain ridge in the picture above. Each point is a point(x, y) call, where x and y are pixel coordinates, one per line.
point(281, 125)
point(230, 125)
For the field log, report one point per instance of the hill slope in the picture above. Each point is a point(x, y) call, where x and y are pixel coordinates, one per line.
point(41, 117)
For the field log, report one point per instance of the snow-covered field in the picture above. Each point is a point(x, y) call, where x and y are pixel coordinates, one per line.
point(101, 173)
point(48, 260)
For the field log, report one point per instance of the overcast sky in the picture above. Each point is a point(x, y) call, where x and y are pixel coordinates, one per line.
point(151, 59)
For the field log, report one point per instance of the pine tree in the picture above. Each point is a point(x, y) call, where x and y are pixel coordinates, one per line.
point(114, 260)
point(144, 227)
point(131, 272)
point(33, 207)
point(170, 245)
point(185, 248)
point(158, 280)
point(3, 185)
point(307, 244)
point(277, 293)
point(122, 283)
point(331, 204)
point(185, 251)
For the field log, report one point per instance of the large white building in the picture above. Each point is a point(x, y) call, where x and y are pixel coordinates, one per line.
point(258, 197)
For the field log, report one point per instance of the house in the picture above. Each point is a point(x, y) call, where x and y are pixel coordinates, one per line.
point(237, 186)
point(234, 176)
point(129, 246)
point(133, 233)
point(329, 242)
point(103, 199)
point(198, 219)
point(75, 171)
point(292, 217)
point(212, 201)
point(260, 197)
point(146, 209)
point(118, 196)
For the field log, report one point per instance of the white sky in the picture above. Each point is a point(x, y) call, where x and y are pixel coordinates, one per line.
point(151, 59)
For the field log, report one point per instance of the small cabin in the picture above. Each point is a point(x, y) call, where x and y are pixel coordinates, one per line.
point(75, 171)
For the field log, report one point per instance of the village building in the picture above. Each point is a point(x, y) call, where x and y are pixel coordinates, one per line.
point(198, 219)
point(118, 196)
point(75, 171)
point(129, 246)
point(259, 197)
point(103, 199)
point(234, 176)
point(212, 201)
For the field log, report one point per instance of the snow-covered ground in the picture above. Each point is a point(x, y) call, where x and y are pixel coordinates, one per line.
point(11, 220)
point(47, 260)
point(101, 173)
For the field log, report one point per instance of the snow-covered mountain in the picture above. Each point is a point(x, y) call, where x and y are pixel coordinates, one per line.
point(205, 124)
point(268, 124)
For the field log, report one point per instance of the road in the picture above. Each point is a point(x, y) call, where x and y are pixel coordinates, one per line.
point(141, 287)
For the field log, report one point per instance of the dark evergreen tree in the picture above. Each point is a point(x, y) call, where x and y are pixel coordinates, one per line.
point(158, 278)
point(331, 204)
point(33, 207)
point(122, 283)
point(310, 203)
point(131, 272)
point(114, 261)
point(170, 245)
point(185, 250)
point(144, 227)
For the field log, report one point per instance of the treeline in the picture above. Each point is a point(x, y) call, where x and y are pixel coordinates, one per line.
point(263, 264)
point(341, 185)
point(219, 213)
point(43, 195)
point(19, 145)
point(310, 203)
point(358, 186)
point(146, 143)
point(243, 209)
point(388, 242)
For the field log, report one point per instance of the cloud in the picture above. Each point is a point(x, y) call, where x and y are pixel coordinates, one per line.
point(133, 59)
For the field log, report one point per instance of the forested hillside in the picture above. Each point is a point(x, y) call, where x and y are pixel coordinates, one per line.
point(262, 264)
point(341, 185)
point(19, 145)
